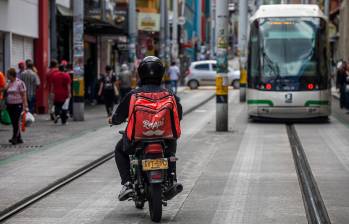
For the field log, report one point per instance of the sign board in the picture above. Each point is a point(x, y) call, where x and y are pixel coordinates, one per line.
point(181, 20)
point(148, 22)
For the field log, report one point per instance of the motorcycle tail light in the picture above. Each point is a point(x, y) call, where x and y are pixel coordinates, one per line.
point(155, 175)
point(153, 149)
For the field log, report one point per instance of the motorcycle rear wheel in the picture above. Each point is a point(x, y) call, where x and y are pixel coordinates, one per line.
point(155, 202)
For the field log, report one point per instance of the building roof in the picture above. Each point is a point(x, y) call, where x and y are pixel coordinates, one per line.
point(288, 10)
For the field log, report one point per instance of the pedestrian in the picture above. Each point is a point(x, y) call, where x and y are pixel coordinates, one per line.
point(52, 70)
point(2, 86)
point(174, 73)
point(60, 86)
point(341, 80)
point(124, 81)
point(107, 85)
point(32, 82)
point(21, 69)
point(16, 101)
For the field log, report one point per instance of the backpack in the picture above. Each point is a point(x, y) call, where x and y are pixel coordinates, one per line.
point(153, 115)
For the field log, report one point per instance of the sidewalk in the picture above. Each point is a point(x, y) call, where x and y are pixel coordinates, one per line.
point(44, 132)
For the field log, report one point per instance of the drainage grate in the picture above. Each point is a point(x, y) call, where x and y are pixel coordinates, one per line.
point(20, 146)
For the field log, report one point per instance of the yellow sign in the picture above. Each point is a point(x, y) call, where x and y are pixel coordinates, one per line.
point(220, 88)
point(78, 87)
point(149, 22)
point(243, 77)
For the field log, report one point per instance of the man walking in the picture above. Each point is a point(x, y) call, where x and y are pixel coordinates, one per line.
point(60, 86)
point(124, 81)
point(107, 85)
point(21, 69)
point(173, 72)
point(32, 82)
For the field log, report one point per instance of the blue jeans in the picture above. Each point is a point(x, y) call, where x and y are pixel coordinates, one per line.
point(174, 86)
point(31, 104)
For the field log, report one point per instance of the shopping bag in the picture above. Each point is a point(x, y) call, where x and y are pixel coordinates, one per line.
point(66, 104)
point(5, 117)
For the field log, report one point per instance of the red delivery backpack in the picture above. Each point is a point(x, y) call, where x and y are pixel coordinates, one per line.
point(153, 115)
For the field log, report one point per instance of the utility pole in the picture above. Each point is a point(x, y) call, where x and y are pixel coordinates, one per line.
point(198, 23)
point(243, 20)
point(327, 8)
point(53, 29)
point(78, 60)
point(213, 24)
point(222, 82)
point(175, 30)
point(162, 29)
point(132, 30)
point(167, 35)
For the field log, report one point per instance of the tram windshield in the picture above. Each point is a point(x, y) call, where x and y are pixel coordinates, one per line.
point(293, 49)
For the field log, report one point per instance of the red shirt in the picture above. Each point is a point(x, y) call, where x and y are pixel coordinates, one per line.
point(60, 82)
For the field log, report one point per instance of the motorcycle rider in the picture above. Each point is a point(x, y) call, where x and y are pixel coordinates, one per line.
point(150, 72)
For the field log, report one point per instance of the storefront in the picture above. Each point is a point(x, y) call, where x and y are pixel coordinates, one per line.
point(22, 49)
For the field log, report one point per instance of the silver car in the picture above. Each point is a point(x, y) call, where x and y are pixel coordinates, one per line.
point(203, 73)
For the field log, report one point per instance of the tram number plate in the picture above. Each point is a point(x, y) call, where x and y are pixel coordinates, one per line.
point(155, 164)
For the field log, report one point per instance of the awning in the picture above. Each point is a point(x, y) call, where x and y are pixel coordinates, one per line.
point(64, 11)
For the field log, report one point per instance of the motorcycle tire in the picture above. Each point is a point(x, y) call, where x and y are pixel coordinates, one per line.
point(155, 202)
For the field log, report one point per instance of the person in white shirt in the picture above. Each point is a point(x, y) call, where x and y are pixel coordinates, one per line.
point(173, 72)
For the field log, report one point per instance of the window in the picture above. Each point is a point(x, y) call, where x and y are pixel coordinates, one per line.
point(202, 67)
point(214, 67)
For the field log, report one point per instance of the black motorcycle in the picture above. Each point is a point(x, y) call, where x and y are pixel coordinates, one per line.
point(151, 178)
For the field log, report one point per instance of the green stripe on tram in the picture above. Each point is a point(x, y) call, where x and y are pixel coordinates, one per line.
point(268, 102)
point(317, 103)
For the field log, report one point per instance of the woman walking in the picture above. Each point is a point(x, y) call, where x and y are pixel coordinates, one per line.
point(16, 102)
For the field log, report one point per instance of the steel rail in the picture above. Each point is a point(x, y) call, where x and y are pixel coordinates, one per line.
point(49, 189)
point(313, 203)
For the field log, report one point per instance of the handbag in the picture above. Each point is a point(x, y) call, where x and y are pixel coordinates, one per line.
point(5, 117)
point(66, 104)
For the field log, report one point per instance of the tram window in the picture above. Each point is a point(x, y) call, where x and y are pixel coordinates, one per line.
point(202, 67)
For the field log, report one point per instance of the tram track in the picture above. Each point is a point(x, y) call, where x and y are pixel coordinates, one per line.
point(315, 209)
point(21, 205)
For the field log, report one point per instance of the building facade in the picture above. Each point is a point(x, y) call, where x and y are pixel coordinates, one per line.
point(17, 33)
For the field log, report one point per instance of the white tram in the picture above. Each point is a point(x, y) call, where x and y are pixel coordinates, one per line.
point(288, 63)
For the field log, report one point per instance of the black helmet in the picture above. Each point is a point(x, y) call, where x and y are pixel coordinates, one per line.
point(151, 70)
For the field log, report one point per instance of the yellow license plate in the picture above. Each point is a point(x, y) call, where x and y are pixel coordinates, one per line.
point(154, 164)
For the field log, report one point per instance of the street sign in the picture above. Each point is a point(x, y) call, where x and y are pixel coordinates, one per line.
point(181, 20)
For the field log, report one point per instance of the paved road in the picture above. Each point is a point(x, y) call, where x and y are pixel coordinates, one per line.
point(246, 175)
point(22, 175)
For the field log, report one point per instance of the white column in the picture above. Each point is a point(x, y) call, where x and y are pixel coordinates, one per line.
point(7, 50)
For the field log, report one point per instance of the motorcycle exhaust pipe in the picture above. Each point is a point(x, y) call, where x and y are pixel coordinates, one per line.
point(173, 191)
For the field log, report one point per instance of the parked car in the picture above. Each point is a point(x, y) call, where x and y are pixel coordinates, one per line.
point(203, 73)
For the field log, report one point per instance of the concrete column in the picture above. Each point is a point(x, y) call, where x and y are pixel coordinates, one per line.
point(7, 51)
point(213, 32)
point(327, 8)
point(41, 56)
point(78, 60)
point(243, 23)
point(162, 29)
point(132, 29)
point(53, 29)
point(222, 83)
point(175, 30)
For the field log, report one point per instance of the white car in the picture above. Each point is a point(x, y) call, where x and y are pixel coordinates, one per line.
point(203, 73)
